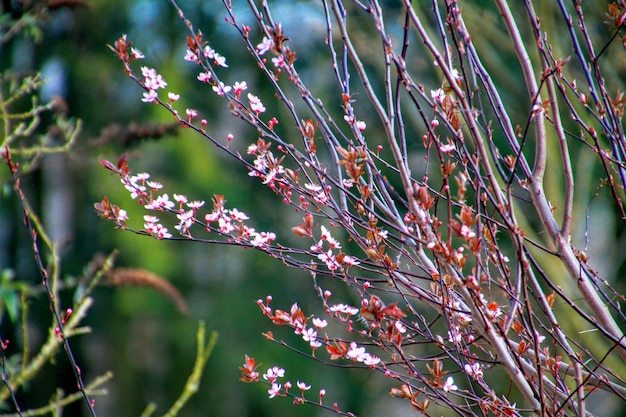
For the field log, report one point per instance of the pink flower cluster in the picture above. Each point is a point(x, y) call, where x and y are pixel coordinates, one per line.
point(227, 222)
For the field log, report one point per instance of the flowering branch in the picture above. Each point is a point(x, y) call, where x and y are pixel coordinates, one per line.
point(457, 257)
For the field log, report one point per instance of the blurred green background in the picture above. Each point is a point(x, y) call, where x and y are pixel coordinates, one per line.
point(137, 332)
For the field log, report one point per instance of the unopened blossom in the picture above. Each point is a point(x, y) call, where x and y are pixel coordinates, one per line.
point(361, 125)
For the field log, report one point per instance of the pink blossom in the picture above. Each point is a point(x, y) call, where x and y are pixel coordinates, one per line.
point(162, 232)
point(314, 344)
point(345, 309)
point(221, 89)
point(303, 386)
point(220, 60)
point(190, 56)
point(329, 259)
point(309, 335)
point(350, 260)
point(208, 52)
point(263, 238)
point(162, 202)
point(274, 390)
point(255, 104)
point(136, 53)
point(238, 215)
point(474, 370)
point(265, 45)
point(240, 87)
point(278, 61)
point(437, 95)
point(154, 185)
point(449, 385)
point(454, 336)
point(149, 97)
point(319, 323)
point(371, 360)
point(122, 215)
point(186, 220)
point(181, 199)
point(449, 147)
point(400, 327)
point(313, 187)
point(204, 77)
point(356, 353)
point(334, 244)
point(467, 232)
point(225, 225)
point(173, 96)
point(196, 204)
point(274, 373)
point(252, 149)
point(212, 217)
point(152, 80)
